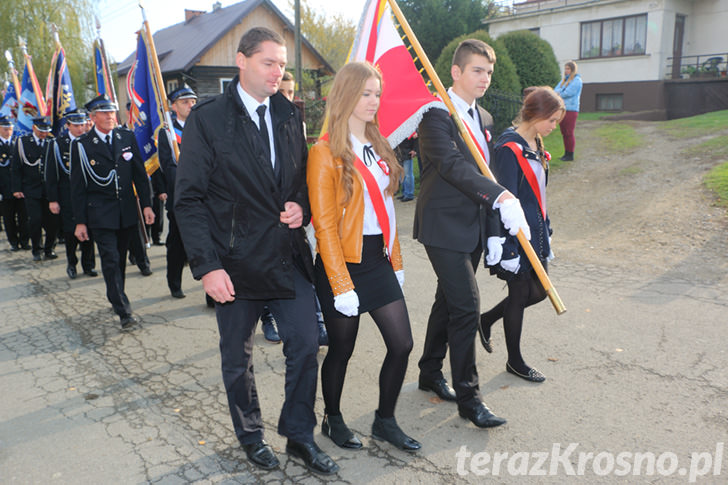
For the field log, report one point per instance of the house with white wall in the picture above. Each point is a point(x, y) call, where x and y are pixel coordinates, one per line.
point(634, 55)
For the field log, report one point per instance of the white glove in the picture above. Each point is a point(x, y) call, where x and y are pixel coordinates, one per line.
point(513, 218)
point(347, 303)
point(495, 250)
point(512, 265)
point(551, 256)
point(400, 277)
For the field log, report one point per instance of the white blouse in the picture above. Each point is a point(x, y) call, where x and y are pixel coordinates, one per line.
point(371, 223)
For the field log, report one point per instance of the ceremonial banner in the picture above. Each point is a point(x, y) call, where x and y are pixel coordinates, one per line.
point(405, 97)
point(9, 107)
point(59, 90)
point(29, 105)
point(101, 78)
point(145, 114)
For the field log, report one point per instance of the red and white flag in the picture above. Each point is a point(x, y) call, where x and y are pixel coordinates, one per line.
point(405, 97)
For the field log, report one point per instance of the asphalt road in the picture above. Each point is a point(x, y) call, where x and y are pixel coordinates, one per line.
point(636, 388)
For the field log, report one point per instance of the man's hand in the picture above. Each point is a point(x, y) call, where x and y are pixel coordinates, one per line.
point(54, 207)
point(81, 232)
point(148, 216)
point(162, 197)
point(18, 195)
point(219, 286)
point(293, 216)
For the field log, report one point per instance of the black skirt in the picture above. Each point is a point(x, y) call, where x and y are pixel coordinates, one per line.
point(374, 280)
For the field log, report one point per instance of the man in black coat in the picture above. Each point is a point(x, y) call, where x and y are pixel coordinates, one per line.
point(104, 164)
point(58, 188)
point(181, 102)
point(15, 218)
point(450, 220)
point(240, 202)
point(28, 183)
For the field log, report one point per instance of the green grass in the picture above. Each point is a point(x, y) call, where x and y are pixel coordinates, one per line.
point(700, 125)
point(717, 181)
point(716, 148)
point(617, 137)
point(596, 116)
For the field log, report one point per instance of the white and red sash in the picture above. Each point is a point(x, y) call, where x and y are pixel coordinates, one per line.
point(386, 223)
point(517, 150)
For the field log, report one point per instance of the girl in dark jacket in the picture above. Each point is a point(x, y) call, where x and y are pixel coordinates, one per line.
point(521, 166)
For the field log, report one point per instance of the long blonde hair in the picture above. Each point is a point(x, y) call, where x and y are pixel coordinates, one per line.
point(572, 66)
point(343, 98)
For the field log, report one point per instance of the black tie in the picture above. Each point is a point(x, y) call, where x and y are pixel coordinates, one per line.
point(263, 127)
point(108, 143)
point(470, 112)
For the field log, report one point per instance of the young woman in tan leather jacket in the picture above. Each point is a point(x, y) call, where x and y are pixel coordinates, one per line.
point(352, 176)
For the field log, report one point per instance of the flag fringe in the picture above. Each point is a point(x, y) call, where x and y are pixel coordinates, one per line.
point(410, 125)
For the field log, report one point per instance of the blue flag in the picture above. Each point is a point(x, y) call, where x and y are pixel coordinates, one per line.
point(145, 115)
point(63, 99)
point(28, 104)
point(102, 80)
point(9, 107)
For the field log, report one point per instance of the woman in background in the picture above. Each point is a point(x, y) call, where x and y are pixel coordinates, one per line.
point(569, 89)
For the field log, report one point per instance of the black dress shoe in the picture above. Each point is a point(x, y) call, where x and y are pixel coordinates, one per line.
point(480, 415)
point(25, 247)
point(15, 247)
point(387, 429)
point(485, 335)
point(439, 387)
point(315, 460)
point(71, 272)
point(532, 375)
point(50, 255)
point(127, 321)
point(36, 257)
point(177, 293)
point(145, 270)
point(90, 272)
point(261, 454)
point(334, 427)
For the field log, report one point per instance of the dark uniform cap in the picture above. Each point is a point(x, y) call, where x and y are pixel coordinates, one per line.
point(42, 123)
point(185, 92)
point(101, 103)
point(5, 121)
point(76, 117)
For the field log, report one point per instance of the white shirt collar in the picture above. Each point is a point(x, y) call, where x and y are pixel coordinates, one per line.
point(38, 141)
point(182, 123)
point(101, 135)
point(4, 140)
point(251, 104)
point(460, 103)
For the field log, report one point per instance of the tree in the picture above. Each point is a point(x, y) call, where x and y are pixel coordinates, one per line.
point(437, 22)
point(505, 78)
point(533, 57)
point(31, 20)
point(332, 36)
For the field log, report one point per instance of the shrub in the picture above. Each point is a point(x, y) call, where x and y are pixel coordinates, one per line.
point(533, 58)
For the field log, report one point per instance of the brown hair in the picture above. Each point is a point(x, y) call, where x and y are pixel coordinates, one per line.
point(343, 98)
point(571, 65)
point(251, 40)
point(467, 48)
point(287, 76)
point(539, 104)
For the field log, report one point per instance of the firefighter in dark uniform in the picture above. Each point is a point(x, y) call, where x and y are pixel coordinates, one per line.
point(105, 162)
point(181, 102)
point(15, 219)
point(58, 188)
point(28, 183)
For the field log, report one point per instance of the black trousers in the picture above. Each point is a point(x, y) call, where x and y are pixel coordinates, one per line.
point(298, 328)
point(453, 321)
point(176, 255)
point(112, 245)
point(137, 248)
point(15, 219)
point(88, 255)
point(158, 227)
point(40, 217)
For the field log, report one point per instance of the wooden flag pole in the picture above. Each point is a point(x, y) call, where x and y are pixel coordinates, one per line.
point(432, 74)
point(161, 92)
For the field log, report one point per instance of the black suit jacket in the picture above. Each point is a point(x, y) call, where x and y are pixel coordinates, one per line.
point(455, 197)
point(6, 156)
point(28, 173)
point(168, 165)
point(228, 199)
point(111, 205)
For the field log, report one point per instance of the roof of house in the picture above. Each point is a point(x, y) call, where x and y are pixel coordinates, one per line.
point(181, 46)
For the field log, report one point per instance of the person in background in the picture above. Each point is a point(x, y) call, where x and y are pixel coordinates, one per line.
point(15, 218)
point(569, 88)
point(405, 154)
point(352, 177)
point(521, 165)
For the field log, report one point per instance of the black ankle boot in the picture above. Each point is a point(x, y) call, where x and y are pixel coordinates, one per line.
point(334, 427)
point(387, 429)
point(568, 157)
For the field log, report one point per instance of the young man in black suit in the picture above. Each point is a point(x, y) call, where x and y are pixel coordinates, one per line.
point(241, 202)
point(104, 164)
point(28, 175)
point(58, 188)
point(450, 220)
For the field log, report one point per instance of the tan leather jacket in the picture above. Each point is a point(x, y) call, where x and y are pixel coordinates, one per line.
point(338, 227)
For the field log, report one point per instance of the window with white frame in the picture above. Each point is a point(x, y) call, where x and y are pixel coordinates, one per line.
point(623, 36)
point(224, 81)
point(172, 85)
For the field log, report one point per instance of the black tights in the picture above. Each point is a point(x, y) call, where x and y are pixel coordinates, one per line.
point(393, 322)
point(523, 291)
